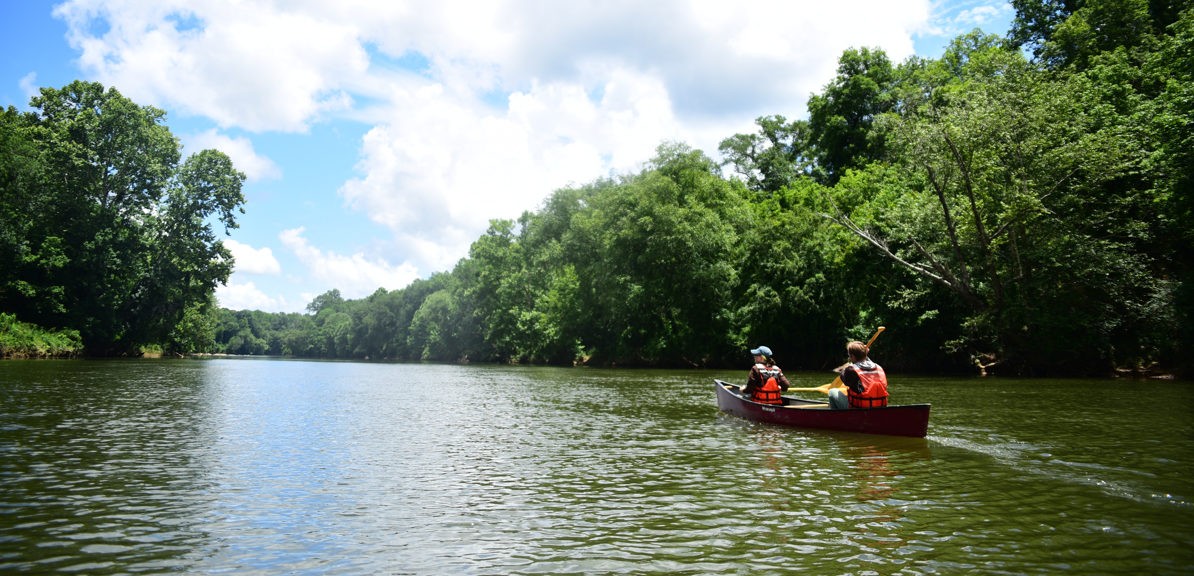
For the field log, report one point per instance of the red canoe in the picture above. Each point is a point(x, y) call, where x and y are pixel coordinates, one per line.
point(906, 420)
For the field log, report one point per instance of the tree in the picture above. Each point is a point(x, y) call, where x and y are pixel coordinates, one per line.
point(555, 321)
point(433, 327)
point(121, 249)
point(1036, 20)
point(376, 325)
point(31, 249)
point(195, 331)
point(1169, 120)
point(329, 300)
point(187, 261)
point(660, 282)
point(1069, 32)
point(1010, 195)
point(1096, 27)
point(772, 158)
point(498, 285)
point(841, 120)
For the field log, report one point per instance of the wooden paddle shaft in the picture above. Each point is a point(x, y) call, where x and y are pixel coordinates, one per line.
point(874, 337)
point(837, 381)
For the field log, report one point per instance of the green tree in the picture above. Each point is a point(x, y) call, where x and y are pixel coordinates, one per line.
point(1099, 26)
point(120, 249)
point(375, 325)
point(659, 286)
point(434, 328)
point(111, 161)
point(772, 158)
point(195, 331)
point(498, 284)
point(1036, 20)
point(1009, 195)
point(329, 300)
point(32, 251)
point(1070, 32)
point(841, 119)
point(186, 260)
point(334, 331)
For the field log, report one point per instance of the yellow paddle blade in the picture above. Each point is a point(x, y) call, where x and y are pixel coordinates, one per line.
point(824, 388)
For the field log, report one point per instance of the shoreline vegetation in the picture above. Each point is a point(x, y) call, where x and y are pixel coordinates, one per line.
point(36, 349)
point(1019, 206)
point(23, 340)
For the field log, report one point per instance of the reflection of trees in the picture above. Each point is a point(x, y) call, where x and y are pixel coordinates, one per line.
point(875, 469)
point(872, 475)
point(775, 480)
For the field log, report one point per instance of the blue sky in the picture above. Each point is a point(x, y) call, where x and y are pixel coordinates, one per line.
point(380, 137)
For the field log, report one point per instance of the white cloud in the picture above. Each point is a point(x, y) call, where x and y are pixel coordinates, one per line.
point(247, 64)
point(978, 15)
point(256, 64)
point(444, 173)
point(251, 260)
point(246, 296)
point(356, 276)
point(240, 150)
point(510, 100)
point(957, 17)
point(29, 87)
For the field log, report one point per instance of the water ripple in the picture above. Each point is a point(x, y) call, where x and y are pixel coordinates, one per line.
point(268, 467)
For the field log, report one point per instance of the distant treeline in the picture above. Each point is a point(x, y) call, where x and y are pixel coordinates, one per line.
point(1021, 203)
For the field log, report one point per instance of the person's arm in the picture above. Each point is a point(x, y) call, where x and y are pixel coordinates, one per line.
point(753, 380)
point(783, 382)
point(851, 380)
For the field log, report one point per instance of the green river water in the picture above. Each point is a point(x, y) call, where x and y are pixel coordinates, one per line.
point(253, 466)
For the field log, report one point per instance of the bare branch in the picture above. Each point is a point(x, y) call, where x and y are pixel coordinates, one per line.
point(873, 240)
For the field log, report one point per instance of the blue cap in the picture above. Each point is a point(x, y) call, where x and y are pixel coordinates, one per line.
point(765, 351)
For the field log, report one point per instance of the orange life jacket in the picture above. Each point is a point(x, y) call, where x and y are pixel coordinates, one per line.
point(874, 387)
point(769, 392)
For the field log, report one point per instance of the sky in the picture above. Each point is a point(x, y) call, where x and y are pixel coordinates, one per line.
point(380, 137)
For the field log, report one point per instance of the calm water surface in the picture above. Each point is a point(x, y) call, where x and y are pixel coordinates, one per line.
point(237, 466)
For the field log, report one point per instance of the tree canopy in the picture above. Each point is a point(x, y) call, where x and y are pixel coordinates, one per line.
point(105, 229)
point(1021, 203)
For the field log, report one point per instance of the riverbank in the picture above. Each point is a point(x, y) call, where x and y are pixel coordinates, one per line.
point(23, 340)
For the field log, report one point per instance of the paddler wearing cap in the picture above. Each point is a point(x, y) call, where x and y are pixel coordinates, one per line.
point(766, 381)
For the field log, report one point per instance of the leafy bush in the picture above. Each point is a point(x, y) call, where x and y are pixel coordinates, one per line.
point(22, 340)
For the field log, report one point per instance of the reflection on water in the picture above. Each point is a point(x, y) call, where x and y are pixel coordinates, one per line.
point(267, 467)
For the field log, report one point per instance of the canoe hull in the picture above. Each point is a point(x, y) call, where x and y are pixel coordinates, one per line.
point(906, 420)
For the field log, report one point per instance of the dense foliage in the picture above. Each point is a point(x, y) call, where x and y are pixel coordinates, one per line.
point(988, 207)
point(103, 230)
point(1022, 203)
point(23, 340)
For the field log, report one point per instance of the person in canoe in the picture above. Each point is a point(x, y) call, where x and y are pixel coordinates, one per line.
point(864, 380)
point(766, 381)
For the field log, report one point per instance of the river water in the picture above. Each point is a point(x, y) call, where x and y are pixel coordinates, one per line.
point(252, 466)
